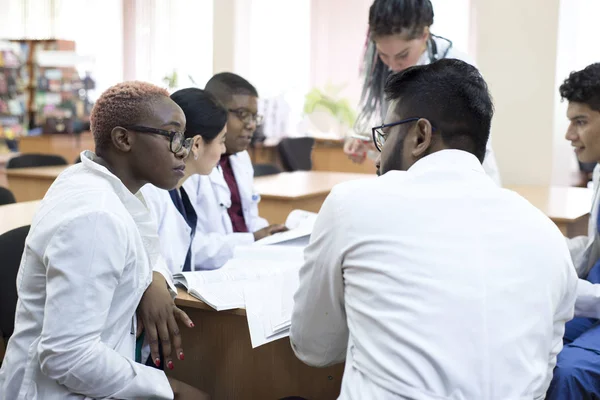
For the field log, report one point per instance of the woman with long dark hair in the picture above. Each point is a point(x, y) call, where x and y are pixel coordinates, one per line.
point(399, 37)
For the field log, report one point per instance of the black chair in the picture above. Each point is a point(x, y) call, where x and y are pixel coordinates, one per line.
point(35, 160)
point(12, 244)
point(266, 169)
point(295, 153)
point(6, 196)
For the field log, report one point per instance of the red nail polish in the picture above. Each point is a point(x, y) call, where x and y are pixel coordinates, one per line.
point(181, 356)
point(157, 362)
point(191, 325)
point(170, 365)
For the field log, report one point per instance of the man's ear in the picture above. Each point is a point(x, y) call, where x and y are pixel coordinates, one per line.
point(122, 139)
point(423, 137)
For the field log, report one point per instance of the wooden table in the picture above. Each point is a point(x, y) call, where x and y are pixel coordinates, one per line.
point(32, 183)
point(68, 146)
point(306, 190)
point(219, 359)
point(15, 215)
point(567, 207)
point(327, 155)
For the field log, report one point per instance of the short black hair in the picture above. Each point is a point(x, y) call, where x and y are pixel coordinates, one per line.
point(204, 114)
point(583, 87)
point(453, 96)
point(389, 17)
point(226, 84)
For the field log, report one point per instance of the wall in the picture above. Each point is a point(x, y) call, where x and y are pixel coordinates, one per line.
point(516, 51)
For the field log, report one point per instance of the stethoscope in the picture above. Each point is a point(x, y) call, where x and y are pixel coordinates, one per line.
point(433, 49)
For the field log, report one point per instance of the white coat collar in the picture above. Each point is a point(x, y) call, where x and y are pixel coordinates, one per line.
point(135, 205)
point(447, 160)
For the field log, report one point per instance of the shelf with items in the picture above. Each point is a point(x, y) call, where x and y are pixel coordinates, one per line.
point(12, 107)
point(56, 95)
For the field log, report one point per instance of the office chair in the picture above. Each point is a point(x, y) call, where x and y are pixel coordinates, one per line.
point(12, 244)
point(265, 169)
point(295, 153)
point(35, 160)
point(6, 196)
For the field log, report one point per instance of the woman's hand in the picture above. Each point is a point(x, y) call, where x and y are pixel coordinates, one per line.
point(356, 149)
point(159, 316)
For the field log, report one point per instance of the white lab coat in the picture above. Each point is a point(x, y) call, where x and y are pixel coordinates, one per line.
point(585, 251)
point(434, 284)
point(215, 239)
point(87, 261)
point(489, 162)
point(173, 231)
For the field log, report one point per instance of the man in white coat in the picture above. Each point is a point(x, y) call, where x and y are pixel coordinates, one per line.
point(452, 288)
point(577, 373)
point(226, 203)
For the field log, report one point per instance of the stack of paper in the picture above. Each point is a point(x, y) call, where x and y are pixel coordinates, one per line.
point(269, 305)
point(261, 278)
point(223, 289)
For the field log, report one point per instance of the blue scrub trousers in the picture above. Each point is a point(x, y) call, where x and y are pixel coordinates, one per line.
point(577, 372)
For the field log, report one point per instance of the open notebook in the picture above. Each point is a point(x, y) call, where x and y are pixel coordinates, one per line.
point(223, 289)
point(262, 278)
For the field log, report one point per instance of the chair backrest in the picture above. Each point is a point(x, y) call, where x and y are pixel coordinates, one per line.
point(6, 196)
point(35, 160)
point(12, 244)
point(265, 169)
point(296, 153)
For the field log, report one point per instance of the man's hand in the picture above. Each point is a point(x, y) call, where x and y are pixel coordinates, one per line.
point(159, 317)
point(268, 231)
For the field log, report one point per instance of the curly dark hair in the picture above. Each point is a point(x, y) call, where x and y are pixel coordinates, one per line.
point(390, 17)
point(123, 104)
point(583, 87)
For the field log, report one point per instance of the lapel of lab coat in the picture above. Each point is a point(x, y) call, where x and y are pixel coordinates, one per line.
point(136, 206)
point(591, 254)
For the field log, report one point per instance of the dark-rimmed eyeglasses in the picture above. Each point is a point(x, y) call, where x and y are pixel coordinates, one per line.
point(177, 140)
point(379, 136)
point(246, 116)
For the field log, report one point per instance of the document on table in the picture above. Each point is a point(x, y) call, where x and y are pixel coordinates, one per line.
point(269, 305)
point(223, 289)
point(300, 224)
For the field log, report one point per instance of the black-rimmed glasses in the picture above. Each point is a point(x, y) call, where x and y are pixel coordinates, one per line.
point(177, 139)
point(246, 116)
point(379, 136)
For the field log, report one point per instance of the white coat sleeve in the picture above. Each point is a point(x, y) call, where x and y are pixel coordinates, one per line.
point(562, 314)
point(577, 246)
point(319, 332)
point(588, 299)
point(256, 222)
point(84, 261)
point(213, 250)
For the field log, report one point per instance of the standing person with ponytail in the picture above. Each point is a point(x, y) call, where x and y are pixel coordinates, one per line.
point(399, 37)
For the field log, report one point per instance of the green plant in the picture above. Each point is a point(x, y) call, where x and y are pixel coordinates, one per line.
point(171, 80)
point(327, 99)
